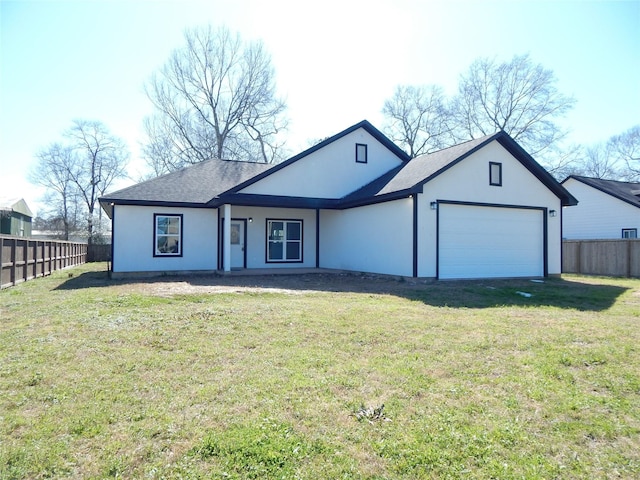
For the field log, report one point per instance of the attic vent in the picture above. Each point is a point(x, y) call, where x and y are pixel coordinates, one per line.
point(361, 153)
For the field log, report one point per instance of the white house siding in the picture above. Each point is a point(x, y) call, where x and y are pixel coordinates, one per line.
point(468, 181)
point(376, 238)
point(257, 234)
point(133, 232)
point(597, 215)
point(331, 172)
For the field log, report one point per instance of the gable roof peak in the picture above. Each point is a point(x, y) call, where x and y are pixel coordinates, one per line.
point(369, 128)
point(364, 124)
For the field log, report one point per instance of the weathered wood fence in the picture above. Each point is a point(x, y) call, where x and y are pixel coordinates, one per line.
point(99, 253)
point(617, 258)
point(27, 258)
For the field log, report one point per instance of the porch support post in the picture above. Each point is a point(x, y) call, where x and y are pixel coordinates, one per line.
point(226, 240)
point(317, 238)
point(414, 197)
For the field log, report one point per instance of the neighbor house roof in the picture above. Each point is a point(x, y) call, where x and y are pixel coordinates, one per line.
point(628, 192)
point(13, 204)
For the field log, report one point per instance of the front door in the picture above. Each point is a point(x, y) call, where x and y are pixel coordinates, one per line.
point(238, 242)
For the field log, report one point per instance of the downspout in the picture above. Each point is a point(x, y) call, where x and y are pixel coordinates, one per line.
point(415, 234)
point(113, 235)
point(561, 240)
point(218, 240)
point(545, 245)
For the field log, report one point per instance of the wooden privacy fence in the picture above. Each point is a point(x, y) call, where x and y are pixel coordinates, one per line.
point(99, 253)
point(26, 258)
point(617, 258)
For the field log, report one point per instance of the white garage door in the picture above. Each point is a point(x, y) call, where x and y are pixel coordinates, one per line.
point(489, 242)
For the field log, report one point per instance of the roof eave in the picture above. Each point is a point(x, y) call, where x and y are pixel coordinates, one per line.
point(107, 204)
point(276, 201)
point(421, 183)
point(567, 200)
point(599, 188)
point(385, 197)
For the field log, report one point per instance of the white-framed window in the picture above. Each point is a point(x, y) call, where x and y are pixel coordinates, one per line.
point(361, 153)
point(495, 174)
point(629, 233)
point(284, 240)
point(167, 235)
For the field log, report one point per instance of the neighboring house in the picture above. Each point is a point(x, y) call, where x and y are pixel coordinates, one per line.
point(15, 217)
point(608, 209)
point(355, 201)
point(75, 236)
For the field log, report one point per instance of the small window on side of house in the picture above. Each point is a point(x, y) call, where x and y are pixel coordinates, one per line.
point(495, 174)
point(167, 235)
point(361, 153)
point(629, 233)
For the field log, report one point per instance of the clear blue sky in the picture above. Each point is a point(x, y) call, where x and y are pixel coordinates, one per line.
point(336, 61)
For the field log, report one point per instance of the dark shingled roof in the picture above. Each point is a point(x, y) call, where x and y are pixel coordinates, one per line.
point(195, 184)
point(411, 177)
point(621, 190)
point(214, 182)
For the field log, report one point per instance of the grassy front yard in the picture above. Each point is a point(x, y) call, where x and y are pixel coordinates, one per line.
point(132, 380)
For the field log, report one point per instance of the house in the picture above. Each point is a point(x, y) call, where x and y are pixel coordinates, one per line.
point(355, 202)
point(15, 217)
point(608, 209)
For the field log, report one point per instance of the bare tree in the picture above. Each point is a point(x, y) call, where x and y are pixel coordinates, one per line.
point(214, 98)
point(518, 97)
point(52, 171)
point(598, 162)
point(616, 159)
point(80, 170)
point(626, 148)
point(562, 162)
point(416, 118)
point(98, 159)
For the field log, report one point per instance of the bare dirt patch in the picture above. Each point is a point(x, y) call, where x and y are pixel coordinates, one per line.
point(283, 284)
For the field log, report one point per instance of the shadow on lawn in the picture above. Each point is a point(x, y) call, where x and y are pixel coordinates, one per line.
point(553, 292)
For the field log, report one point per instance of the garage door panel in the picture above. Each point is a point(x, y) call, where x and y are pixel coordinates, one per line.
point(490, 242)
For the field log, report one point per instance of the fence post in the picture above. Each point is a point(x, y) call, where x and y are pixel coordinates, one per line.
point(628, 258)
point(14, 253)
point(25, 258)
point(579, 254)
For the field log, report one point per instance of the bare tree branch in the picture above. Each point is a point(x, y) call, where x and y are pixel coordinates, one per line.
point(416, 118)
point(214, 98)
point(52, 172)
point(517, 96)
point(82, 169)
point(626, 148)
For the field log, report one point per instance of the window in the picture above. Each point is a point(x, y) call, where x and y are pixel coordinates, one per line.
point(167, 238)
point(361, 153)
point(495, 174)
point(629, 233)
point(284, 240)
